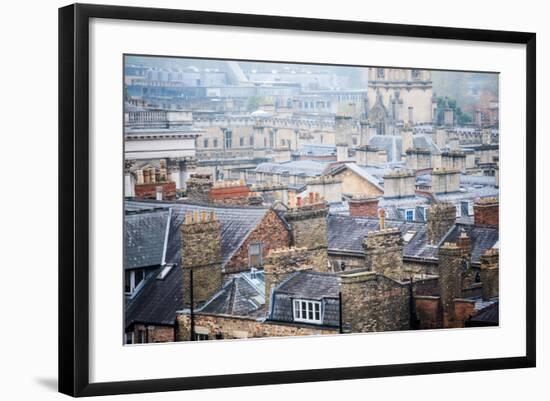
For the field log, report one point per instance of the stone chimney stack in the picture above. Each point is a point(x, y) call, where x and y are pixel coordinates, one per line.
point(363, 206)
point(411, 112)
point(441, 137)
point(486, 136)
point(418, 159)
point(489, 272)
point(406, 139)
point(282, 262)
point(454, 160)
point(201, 253)
point(445, 180)
point(441, 217)
point(198, 187)
point(384, 252)
point(478, 118)
point(399, 184)
point(367, 156)
point(448, 117)
point(450, 281)
point(342, 152)
point(486, 212)
point(342, 129)
point(308, 223)
point(365, 133)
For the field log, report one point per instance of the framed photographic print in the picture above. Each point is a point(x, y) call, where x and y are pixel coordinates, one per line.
point(250, 199)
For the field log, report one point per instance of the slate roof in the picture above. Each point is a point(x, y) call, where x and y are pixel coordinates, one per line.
point(236, 222)
point(481, 238)
point(316, 149)
point(346, 234)
point(145, 238)
point(393, 144)
point(240, 296)
point(307, 285)
point(158, 300)
point(487, 316)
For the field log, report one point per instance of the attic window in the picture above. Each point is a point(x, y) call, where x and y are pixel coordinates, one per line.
point(408, 235)
point(307, 311)
point(164, 272)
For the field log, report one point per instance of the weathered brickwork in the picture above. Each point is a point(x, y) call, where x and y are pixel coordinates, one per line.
point(198, 187)
point(372, 302)
point(441, 217)
point(464, 309)
point(149, 191)
point(153, 334)
point(271, 233)
point(233, 193)
point(450, 285)
point(489, 272)
point(282, 262)
point(384, 252)
point(201, 253)
point(228, 327)
point(363, 207)
point(486, 212)
point(428, 311)
point(309, 230)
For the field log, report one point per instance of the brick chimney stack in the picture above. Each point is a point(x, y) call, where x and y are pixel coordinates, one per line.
point(363, 206)
point(201, 253)
point(198, 187)
point(465, 244)
point(486, 212)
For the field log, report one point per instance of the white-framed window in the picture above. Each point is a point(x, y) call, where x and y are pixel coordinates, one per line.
point(458, 211)
point(307, 311)
point(201, 337)
point(133, 279)
point(467, 205)
point(129, 337)
point(255, 254)
point(409, 214)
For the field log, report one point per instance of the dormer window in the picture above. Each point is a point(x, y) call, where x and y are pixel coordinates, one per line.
point(307, 311)
point(409, 214)
point(133, 280)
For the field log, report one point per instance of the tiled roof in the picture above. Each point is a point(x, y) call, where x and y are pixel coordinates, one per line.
point(307, 285)
point(145, 238)
point(346, 234)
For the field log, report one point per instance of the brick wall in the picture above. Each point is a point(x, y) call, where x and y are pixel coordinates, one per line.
point(270, 232)
point(149, 191)
point(363, 207)
point(230, 195)
point(486, 212)
point(464, 309)
point(428, 311)
point(154, 334)
point(240, 327)
point(372, 302)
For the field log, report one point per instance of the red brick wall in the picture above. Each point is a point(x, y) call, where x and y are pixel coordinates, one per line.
point(428, 311)
point(464, 309)
point(486, 213)
point(149, 191)
point(154, 334)
point(363, 207)
point(233, 195)
point(271, 232)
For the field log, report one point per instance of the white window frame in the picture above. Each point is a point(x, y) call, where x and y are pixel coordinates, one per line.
point(458, 207)
point(307, 311)
point(201, 337)
point(259, 245)
point(133, 287)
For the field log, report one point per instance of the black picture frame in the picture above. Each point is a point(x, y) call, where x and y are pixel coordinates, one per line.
point(74, 201)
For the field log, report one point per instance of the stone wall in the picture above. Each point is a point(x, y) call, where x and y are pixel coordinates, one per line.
point(384, 252)
point(489, 272)
point(270, 232)
point(309, 230)
point(372, 302)
point(231, 327)
point(441, 217)
point(198, 186)
point(445, 180)
point(201, 253)
point(399, 184)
